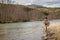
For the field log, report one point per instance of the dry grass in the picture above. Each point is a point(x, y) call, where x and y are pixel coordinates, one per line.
point(54, 32)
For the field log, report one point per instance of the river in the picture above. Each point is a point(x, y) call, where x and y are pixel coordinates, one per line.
point(23, 31)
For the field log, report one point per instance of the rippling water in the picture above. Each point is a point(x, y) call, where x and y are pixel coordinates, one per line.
point(23, 31)
point(26, 23)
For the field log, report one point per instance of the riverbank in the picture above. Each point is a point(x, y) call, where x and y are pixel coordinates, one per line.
point(19, 13)
point(54, 31)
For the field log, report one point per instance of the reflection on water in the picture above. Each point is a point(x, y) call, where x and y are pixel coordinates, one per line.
point(23, 31)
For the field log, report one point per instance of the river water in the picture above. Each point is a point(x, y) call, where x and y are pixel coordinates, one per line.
point(23, 31)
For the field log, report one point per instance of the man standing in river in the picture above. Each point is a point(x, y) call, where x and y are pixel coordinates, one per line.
point(46, 24)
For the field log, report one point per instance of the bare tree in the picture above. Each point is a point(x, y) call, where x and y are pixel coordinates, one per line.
point(27, 10)
point(8, 1)
point(2, 1)
point(13, 1)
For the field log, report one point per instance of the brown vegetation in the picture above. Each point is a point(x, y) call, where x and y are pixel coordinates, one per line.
point(19, 13)
point(54, 31)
